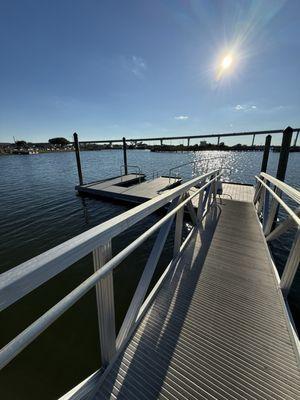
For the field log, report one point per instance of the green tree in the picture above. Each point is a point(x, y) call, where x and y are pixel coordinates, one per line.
point(59, 141)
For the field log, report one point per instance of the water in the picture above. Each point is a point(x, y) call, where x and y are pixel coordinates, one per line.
point(39, 209)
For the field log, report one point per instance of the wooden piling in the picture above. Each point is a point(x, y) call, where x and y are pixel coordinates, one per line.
point(284, 153)
point(266, 153)
point(283, 161)
point(125, 157)
point(76, 143)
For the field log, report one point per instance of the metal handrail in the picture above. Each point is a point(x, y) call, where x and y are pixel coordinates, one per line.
point(267, 211)
point(195, 162)
point(19, 281)
point(137, 173)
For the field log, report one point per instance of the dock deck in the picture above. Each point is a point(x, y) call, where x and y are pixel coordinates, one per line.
point(129, 188)
point(217, 328)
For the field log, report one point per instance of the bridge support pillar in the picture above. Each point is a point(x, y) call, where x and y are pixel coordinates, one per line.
point(253, 138)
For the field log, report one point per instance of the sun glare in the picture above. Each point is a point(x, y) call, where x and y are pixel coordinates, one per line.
point(227, 62)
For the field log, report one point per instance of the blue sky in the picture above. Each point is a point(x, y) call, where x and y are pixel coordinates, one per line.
point(138, 68)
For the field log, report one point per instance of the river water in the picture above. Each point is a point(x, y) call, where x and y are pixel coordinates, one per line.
point(40, 209)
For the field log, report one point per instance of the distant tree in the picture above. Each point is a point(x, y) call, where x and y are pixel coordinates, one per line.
point(21, 143)
point(59, 141)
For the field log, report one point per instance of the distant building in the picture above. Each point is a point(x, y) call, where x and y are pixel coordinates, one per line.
point(203, 143)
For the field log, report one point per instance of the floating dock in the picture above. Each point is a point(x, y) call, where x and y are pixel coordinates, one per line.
point(130, 188)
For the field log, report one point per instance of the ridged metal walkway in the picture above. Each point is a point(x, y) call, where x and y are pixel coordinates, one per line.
point(218, 327)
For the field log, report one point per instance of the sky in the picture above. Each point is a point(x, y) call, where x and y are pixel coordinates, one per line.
point(140, 68)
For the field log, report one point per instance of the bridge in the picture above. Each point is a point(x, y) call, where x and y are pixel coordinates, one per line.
point(215, 325)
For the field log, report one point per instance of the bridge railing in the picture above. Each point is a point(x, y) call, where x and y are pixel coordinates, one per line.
point(268, 199)
point(18, 281)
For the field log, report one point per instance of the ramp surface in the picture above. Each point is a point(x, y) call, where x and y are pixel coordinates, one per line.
point(217, 328)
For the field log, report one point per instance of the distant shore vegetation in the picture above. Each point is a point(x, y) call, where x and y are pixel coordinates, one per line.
point(61, 144)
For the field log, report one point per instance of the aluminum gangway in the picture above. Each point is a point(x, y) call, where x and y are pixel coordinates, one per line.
point(216, 324)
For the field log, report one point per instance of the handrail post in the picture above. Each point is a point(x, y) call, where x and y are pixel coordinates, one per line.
point(125, 156)
point(178, 228)
point(266, 206)
point(272, 213)
point(105, 305)
point(291, 266)
point(76, 143)
point(266, 154)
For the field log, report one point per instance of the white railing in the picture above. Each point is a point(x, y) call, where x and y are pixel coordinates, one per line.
point(17, 282)
point(195, 165)
point(268, 198)
point(138, 171)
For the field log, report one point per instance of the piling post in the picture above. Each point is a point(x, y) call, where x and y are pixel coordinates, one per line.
point(125, 156)
point(284, 153)
point(188, 143)
point(283, 161)
point(218, 140)
point(161, 142)
point(266, 153)
point(76, 143)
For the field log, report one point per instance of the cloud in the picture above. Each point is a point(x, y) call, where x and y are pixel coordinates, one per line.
point(138, 66)
point(181, 117)
point(245, 107)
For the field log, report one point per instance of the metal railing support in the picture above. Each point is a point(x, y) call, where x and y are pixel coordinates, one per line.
point(282, 227)
point(145, 279)
point(178, 228)
point(271, 215)
point(105, 305)
point(266, 205)
point(261, 200)
point(291, 265)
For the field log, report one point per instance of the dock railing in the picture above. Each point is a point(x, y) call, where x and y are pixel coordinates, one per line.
point(268, 198)
point(138, 171)
point(194, 164)
point(20, 280)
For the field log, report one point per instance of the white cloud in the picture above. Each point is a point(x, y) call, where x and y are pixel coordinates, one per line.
point(138, 66)
point(181, 117)
point(245, 107)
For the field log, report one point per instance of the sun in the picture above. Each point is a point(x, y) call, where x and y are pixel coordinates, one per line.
point(227, 62)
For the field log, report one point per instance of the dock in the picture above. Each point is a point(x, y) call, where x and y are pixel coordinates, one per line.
point(216, 324)
point(130, 188)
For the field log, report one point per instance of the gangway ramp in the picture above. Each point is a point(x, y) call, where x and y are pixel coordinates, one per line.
point(217, 329)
